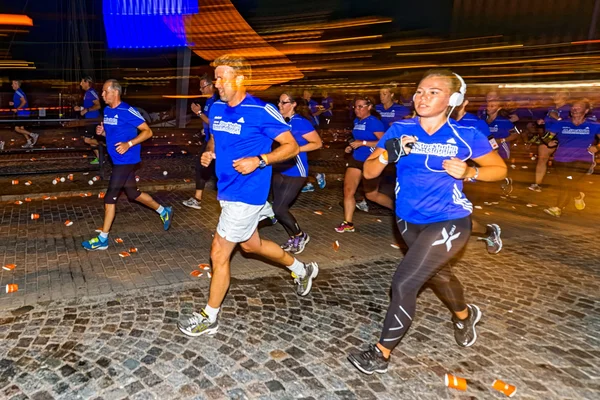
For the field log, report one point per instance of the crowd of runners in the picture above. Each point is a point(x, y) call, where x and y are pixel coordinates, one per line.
point(256, 149)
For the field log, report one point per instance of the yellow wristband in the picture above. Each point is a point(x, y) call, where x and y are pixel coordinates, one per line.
point(264, 156)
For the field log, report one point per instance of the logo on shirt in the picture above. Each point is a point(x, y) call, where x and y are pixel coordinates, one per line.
point(494, 128)
point(388, 114)
point(451, 140)
point(228, 127)
point(447, 238)
point(435, 149)
point(241, 120)
point(360, 127)
point(111, 121)
point(576, 131)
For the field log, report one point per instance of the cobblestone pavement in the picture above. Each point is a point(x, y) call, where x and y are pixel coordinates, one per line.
point(95, 325)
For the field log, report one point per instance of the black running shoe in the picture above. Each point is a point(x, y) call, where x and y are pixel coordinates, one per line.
point(369, 361)
point(464, 329)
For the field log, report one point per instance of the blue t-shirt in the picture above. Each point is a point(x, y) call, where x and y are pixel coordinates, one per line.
point(395, 113)
point(471, 120)
point(327, 102)
point(88, 102)
point(573, 140)
point(17, 102)
point(364, 130)
point(425, 193)
point(121, 125)
point(314, 107)
point(563, 111)
point(209, 102)
point(246, 130)
point(500, 128)
point(297, 166)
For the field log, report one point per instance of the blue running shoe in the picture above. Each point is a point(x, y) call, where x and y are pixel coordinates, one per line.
point(96, 243)
point(308, 188)
point(321, 180)
point(166, 217)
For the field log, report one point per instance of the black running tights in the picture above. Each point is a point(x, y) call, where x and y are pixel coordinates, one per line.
point(285, 191)
point(431, 247)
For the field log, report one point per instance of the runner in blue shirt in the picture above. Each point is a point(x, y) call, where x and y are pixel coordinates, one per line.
point(243, 129)
point(289, 176)
point(433, 215)
point(21, 109)
point(574, 156)
point(120, 126)
point(559, 111)
point(389, 110)
point(368, 129)
point(502, 132)
point(203, 174)
point(313, 106)
point(326, 109)
point(490, 233)
point(90, 110)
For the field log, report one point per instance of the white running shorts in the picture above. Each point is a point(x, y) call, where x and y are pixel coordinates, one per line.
point(238, 220)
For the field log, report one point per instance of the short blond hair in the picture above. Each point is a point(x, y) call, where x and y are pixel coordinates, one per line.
point(240, 65)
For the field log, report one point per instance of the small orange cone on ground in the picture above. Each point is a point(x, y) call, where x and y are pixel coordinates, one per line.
point(35, 216)
point(12, 287)
point(9, 267)
point(205, 267)
point(504, 387)
point(195, 273)
point(454, 382)
point(68, 223)
point(133, 249)
point(119, 240)
point(124, 254)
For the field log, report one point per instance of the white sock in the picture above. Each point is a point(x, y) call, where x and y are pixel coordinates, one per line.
point(160, 210)
point(298, 268)
point(103, 235)
point(211, 312)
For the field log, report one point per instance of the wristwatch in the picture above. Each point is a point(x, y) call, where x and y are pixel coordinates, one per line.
point(199, 113)
point(261, 162)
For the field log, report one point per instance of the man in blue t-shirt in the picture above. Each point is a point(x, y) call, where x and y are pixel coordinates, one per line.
point(90, 110)
point(21, 109)
point(120, 126)
point(203, 174)
point(243, 129)
point(313, 107)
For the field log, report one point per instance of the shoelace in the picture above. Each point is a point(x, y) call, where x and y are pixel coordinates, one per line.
point(369, 354)
point(195, 319)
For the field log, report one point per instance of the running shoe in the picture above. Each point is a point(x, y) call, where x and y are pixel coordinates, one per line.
point(535, 187)
point(193, 202)
point(289, 245)
point(554, 211)
point(321, 180)
point(345, 227)
point(198, 324)
point(34, 138)
point(308, 188)
point(493, 241)
point(362, 205)
point(27, 145)
point(167, 217)
point(507, 186)
point(579, 203)
point(95, 161)
point(96, 243)
point(464, 329)
point(300, 243)
point(304, 284)
point(369, 361)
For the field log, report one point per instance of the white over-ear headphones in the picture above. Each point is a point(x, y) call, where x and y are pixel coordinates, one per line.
point(456, 98)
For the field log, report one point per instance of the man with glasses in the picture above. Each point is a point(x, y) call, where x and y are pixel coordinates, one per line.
point(243, 129)
point(203, 174)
